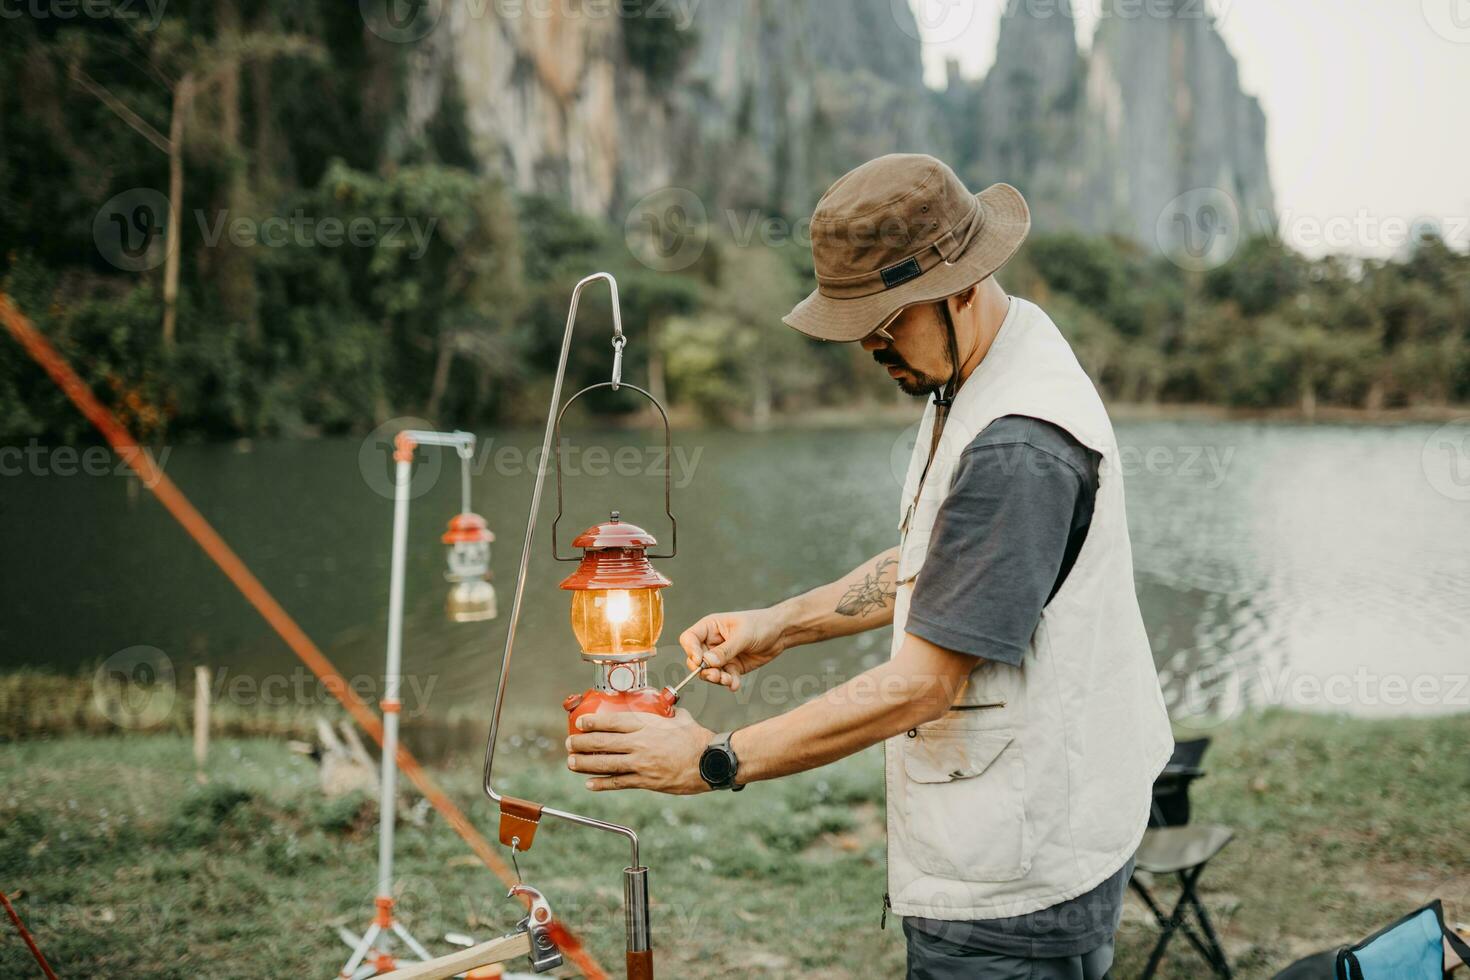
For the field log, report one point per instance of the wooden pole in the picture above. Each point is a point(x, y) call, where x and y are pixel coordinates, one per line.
point(201, 720)
point(495, 951)
point(183, 97)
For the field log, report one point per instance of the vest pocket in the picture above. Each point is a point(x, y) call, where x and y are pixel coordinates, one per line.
point(965, 805)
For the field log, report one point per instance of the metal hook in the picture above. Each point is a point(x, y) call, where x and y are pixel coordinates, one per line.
point(618, 343)
point(515, 845)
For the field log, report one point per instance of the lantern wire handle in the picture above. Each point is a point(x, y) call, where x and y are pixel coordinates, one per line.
point(668, 470)
point(519, 597)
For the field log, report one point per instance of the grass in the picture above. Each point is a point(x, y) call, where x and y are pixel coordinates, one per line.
point(126, 867)
point(38, 703)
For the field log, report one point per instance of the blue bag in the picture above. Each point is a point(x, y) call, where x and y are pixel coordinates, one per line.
point(1410, 949)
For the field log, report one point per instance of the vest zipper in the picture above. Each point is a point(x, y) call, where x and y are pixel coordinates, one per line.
point(887, 905)
point(978, 707)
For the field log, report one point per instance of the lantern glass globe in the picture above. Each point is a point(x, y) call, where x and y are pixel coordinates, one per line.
point(472, 601)
point(469, 559)
point(617, 622)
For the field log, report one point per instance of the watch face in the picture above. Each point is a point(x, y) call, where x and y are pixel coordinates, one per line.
point(715, 766)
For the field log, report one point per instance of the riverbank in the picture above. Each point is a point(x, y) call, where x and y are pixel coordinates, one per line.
point(125, 867)
point(36, 704)
point(905, 411)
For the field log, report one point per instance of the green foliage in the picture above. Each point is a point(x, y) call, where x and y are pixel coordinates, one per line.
point(452, 305)
point(1262, 276)
point(653, 38)
point(344, 813)
point(734, 358)
point(1270, 328)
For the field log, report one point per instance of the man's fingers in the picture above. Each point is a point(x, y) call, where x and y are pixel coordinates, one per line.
point(600, 764)
point(612, 721)
point(702, 641)
point(692, 640)
point(729, 677)
point(611, 743)
point(616, 782)
point(710, 656)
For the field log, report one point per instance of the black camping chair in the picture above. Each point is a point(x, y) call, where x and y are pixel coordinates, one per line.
point(1174, 846)
point(1171, 789)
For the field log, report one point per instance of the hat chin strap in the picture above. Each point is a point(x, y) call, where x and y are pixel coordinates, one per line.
point(944, 395)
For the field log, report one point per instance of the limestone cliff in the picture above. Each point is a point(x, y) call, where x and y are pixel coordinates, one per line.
point(772, 100)
point(1103, 143)
point(768, 101)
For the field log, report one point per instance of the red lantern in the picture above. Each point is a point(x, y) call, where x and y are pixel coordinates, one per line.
point(472, 597)
point(617, 616)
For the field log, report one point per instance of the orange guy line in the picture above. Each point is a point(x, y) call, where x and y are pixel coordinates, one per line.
point(25, 935)
point(174, 501)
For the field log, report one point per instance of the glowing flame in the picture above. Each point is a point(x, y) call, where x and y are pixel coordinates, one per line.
point(619, 606)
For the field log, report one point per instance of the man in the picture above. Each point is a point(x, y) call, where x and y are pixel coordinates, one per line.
point(1021, 713)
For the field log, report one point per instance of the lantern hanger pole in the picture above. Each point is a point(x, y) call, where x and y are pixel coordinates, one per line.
point(463, 443)
point(465, 455)
point(619, 341)
point(385, 925)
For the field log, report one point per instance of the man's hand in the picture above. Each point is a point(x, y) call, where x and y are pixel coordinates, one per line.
point(733, 644)
point(632, 750)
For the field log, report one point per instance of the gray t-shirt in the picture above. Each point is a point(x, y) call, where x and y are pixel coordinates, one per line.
point(1010, 530)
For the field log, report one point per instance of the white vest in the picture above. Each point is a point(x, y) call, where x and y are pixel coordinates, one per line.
point(1036, 786)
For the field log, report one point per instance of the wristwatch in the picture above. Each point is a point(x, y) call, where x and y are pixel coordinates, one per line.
point(718, 765)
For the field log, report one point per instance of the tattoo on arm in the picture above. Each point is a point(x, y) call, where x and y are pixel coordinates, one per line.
point(875, 591)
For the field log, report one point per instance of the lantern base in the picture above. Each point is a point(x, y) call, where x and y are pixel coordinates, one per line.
point(646, 700)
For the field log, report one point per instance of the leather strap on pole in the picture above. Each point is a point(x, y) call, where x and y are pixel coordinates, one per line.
point(518, 822)
point(640, 964)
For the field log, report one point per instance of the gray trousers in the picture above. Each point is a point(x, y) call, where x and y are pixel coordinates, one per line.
point(932, 958)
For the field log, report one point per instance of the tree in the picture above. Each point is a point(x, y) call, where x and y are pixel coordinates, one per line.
point(188, 68)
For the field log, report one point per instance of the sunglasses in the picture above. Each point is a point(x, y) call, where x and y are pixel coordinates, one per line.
point(882, 332)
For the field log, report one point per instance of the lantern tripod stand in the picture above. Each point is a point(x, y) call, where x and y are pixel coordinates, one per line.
point(616, 615)
point(472, 599)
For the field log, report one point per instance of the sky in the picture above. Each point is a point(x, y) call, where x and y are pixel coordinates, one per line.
point(1367, 105)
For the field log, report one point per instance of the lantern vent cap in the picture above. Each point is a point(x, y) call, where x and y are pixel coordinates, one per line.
point(613, 558)
point(614, 533)
point(467, 528)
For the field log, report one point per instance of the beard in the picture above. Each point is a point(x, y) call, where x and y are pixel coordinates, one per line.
point(912, 382)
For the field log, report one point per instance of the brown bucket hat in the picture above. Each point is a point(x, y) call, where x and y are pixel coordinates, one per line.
point(899, 231)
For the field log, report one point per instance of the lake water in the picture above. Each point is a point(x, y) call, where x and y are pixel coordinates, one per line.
point(1320, 567)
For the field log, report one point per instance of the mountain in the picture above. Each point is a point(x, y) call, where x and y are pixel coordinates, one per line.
point(766, 103)
point(1105, 142)
point(760, 104)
